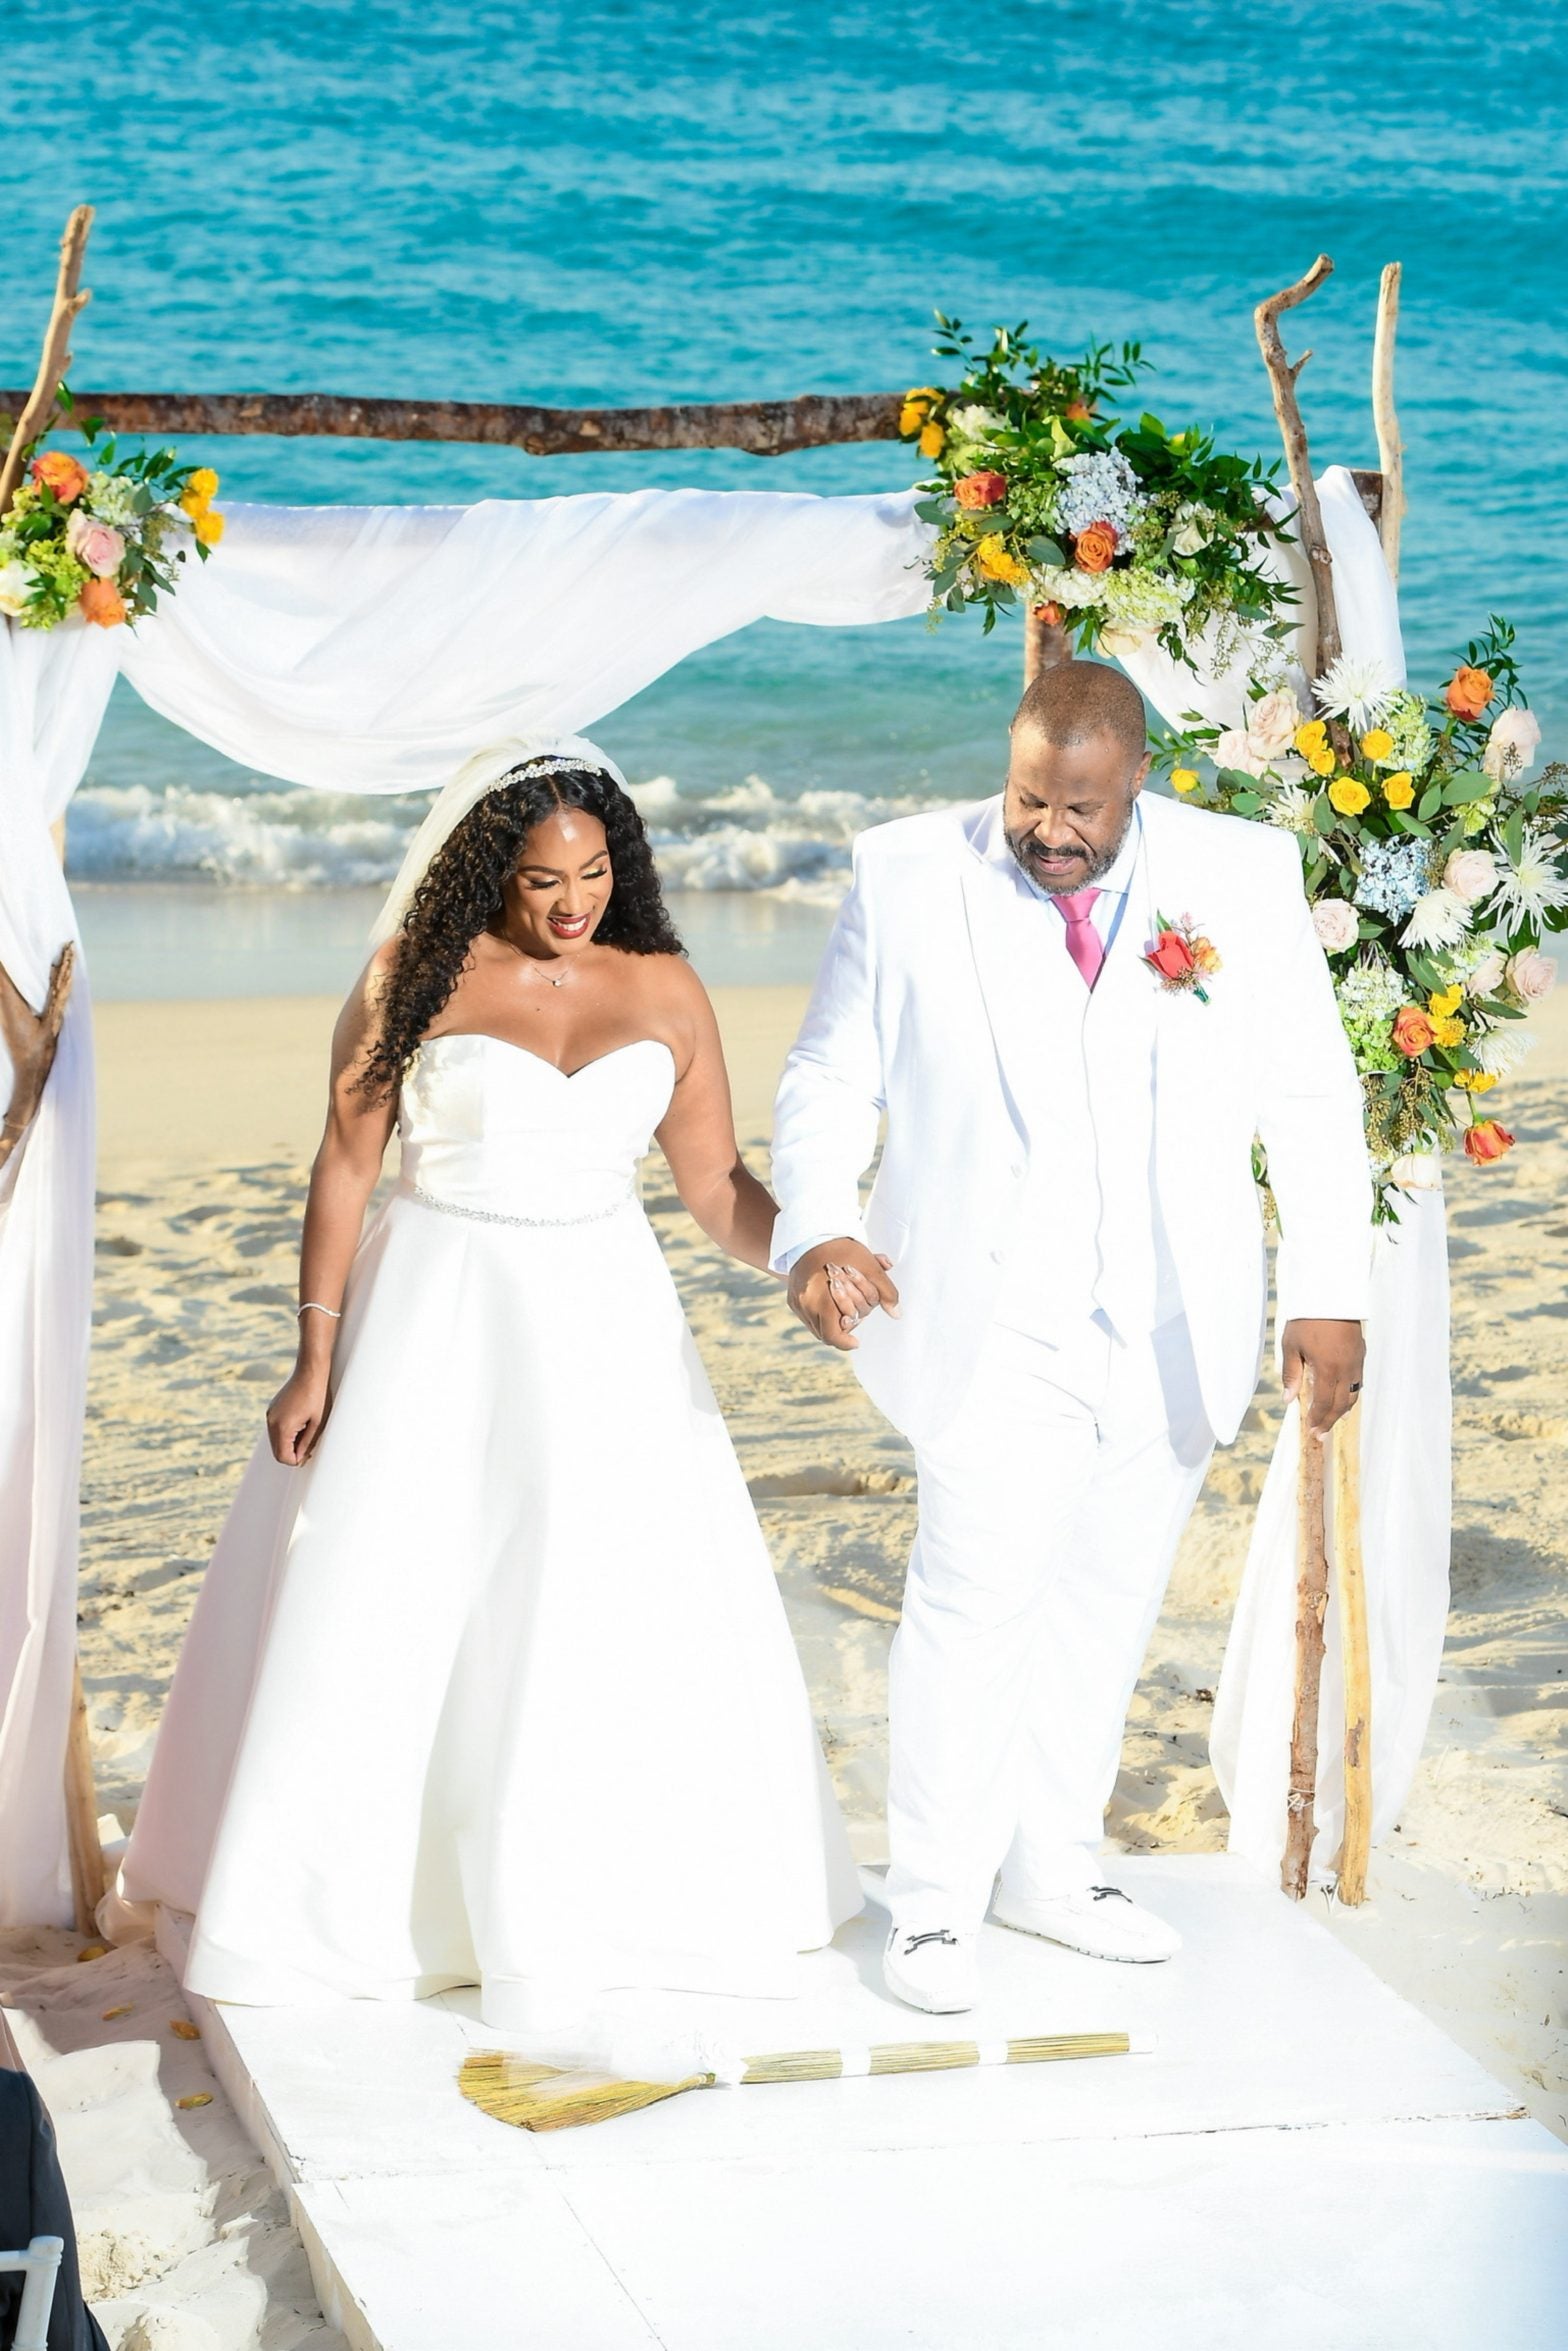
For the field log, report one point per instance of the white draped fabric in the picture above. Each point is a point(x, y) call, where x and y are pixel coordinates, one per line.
point(1406, 1409)
point(352, 649)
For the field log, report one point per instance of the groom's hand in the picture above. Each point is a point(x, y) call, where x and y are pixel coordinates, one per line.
point(836, 1285)
point(1335, 1354)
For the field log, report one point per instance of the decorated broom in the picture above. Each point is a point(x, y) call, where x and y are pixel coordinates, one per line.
point(538, 2097)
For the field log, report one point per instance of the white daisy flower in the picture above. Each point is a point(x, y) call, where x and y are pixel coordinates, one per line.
point(1500, 1051)
point(1530, 885)
point(1440, 919)
point(1355, 688)
point(1291, 809)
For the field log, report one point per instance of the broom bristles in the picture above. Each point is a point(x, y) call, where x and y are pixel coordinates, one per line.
point(551, 2098)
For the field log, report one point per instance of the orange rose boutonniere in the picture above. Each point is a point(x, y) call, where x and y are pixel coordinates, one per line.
point(1181, 958)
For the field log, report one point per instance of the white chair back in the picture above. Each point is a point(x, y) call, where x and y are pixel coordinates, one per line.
point(41, 2261)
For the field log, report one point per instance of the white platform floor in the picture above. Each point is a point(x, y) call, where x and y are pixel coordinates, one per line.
point(1303, 2164)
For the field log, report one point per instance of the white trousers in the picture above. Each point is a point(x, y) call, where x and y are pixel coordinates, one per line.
point(1050, 1512)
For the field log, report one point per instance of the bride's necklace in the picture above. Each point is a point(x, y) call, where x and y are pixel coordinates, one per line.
point(539, 970)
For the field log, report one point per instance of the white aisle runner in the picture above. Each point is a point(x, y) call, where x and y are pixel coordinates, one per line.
point(1303, 2163)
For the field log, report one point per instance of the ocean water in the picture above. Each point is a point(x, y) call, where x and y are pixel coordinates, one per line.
point(645, 201)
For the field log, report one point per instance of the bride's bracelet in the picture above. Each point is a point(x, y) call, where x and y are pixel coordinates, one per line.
point(314, 1306)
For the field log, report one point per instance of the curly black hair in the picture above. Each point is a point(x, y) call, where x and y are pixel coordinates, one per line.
point(460, 896)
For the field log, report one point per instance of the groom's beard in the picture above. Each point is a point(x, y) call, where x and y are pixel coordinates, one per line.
point(1089, 866)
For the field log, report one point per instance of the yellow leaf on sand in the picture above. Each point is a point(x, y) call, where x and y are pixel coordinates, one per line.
point(196, 2098)
point(92, 1951)
point(183, 2030)
point(110, 2014)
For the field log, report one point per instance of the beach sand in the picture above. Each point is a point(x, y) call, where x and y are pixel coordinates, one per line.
point(209, 1115)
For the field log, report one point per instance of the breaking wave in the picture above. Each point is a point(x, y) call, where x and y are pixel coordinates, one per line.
point(747, 837)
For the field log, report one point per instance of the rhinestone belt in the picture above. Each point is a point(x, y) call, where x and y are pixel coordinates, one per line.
point(497, 1216)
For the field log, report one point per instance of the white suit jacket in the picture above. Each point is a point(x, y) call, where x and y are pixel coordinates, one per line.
point(919, 1012)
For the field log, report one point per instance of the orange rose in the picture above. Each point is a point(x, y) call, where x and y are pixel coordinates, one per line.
point(102, 602)
point(1170, 955)
point(1049, 615)
point(1486, 1141)
point(1078, 411)
point(58, 472)
point(1094, 548)
point(981, 489)
point(1412, 1031)
point(1468, 692)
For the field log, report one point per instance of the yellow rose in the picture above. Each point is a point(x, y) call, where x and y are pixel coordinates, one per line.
point(1377, 744)
point(193, 503)
point(1448, 1032)
point(932, 441)
point(1399, 790)
point(1474, 1081)
point(1311, 737)
point(1348, 796)
point(1446, 1002)
point(204, 484)
point(1184, 779)
point(1321, 762)
point(992, 558)
point(208, 527)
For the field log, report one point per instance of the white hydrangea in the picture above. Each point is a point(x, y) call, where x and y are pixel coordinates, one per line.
point(1071, 589)
point(974, 422)
point(111, 497)
point(1141, 600)
point(17, 582)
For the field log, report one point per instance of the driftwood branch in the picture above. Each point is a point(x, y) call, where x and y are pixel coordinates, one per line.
point(1311, 1605)
point(1390, 448)
point(762, 428)
point(70, 299)
point(1309, 522)
point(1355, 1656)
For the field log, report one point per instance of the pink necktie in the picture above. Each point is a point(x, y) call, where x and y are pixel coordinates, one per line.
point(1084, 943)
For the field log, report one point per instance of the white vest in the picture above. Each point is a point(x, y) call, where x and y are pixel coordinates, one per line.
point(1089, 1240)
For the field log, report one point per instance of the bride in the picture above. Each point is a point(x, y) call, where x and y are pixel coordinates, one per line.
point(489, 1681)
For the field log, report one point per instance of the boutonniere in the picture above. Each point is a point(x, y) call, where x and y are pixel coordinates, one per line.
point(1181, 958)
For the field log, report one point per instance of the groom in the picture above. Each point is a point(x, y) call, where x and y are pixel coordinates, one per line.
point(1075, 1308)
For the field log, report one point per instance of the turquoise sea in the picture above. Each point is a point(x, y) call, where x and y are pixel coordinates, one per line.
point(644, 201)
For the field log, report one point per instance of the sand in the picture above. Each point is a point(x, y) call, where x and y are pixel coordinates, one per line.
point(209, 1116)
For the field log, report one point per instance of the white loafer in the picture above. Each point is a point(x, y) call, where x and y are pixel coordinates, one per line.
point(1099, 1920)
point(933, 1969)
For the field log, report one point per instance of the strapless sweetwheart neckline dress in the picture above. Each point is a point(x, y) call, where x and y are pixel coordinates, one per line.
point(499, 1688)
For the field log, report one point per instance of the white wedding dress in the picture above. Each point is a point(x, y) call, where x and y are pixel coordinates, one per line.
point(499, 1688)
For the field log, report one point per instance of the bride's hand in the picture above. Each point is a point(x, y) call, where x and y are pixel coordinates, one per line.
point(296, 1417)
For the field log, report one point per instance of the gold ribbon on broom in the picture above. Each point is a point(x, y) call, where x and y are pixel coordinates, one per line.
point(536, 2097)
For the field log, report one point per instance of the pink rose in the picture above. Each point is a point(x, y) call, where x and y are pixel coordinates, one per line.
point(1471, 874)
point(1531, 976)
point(95, 543)
point(1512, 744)
point(1235, 749)
point(1336, 925)
point(1487, 976)
point(1272, 724)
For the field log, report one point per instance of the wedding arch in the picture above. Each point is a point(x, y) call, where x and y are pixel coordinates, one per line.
point(373, 649)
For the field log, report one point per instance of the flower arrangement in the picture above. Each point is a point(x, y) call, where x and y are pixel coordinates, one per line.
point(1120, 532)
point(101, 539)
point(1181, 958)
point(1435, 866)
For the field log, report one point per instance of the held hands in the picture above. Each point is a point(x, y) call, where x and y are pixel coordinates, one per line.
point(1335, 1353)
point(836, 1285)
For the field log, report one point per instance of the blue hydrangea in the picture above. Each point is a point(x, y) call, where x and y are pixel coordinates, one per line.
point(1098, 485)
point(1393, 877)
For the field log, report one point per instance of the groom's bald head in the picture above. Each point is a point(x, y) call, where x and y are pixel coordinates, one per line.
point(1079, 757)
point(1076, 699)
